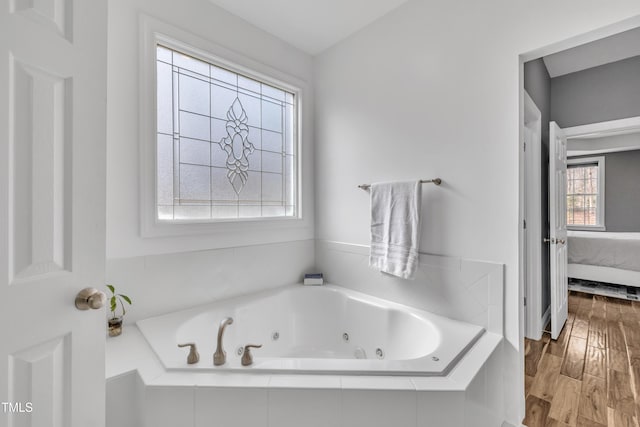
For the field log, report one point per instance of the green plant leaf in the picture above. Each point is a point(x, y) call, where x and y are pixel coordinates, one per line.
point(112, 302)
point(112, 289)
point(126, 298)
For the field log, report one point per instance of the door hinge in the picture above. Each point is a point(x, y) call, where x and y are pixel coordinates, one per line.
point(525, 300)
point(524, 144)
point(524, 223)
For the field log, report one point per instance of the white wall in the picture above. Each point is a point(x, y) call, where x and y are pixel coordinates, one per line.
point(204, 267)
point(433, 89)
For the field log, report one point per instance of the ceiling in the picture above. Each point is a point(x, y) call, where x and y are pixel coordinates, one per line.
point(610, 49)
point(310, 25)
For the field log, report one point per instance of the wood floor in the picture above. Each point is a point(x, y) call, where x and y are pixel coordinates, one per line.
point(590, 376)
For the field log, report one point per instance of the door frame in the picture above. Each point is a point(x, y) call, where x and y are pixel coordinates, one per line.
point(532, 222)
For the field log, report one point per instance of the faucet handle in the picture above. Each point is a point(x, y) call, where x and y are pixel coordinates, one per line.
point(193, 356)
point(247, 358)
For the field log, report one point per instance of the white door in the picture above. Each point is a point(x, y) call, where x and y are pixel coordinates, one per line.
point(52, 211)
point(558, 227)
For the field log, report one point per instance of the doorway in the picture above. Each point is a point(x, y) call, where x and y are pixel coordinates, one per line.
point(570, 355)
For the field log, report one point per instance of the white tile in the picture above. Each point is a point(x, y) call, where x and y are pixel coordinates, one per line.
point(377, 383)
point(480, 290)
point(495, 382)
point(378, 408)
point(125, 352)
point(443, 262)
point(473, 361)
point(305, 381)
point(232, 380)
point(436, 383)
point(169, 406)
point(495, 319)
point(496, 280)
point(150, 369)
point(480, 319)
point(219, 406)
point(476, 391)
point(476, 409)
point(440, 409)
point(304, 407)
point(122, 405)
point(176, 378)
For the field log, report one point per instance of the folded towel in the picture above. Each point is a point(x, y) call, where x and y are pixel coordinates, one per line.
point(395, 227)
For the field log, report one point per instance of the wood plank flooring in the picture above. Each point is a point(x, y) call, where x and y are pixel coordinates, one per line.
point(590, 376)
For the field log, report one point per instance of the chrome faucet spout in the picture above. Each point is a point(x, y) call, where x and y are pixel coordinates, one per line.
point(220, 356)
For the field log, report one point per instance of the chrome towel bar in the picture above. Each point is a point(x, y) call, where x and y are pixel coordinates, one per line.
point(436, 181)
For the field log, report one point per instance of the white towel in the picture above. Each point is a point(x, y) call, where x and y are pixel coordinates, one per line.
point(395, 227)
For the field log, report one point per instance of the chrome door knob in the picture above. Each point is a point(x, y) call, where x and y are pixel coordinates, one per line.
point(90, 298)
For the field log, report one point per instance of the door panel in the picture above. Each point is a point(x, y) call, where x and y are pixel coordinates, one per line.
point(52, 214)
point(558, 228)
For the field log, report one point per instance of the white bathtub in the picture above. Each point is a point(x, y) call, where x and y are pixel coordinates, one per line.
point(314, 329)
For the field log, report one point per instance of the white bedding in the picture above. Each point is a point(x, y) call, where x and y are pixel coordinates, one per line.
point(616, 250)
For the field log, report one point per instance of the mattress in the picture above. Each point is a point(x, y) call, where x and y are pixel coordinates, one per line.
point(616, 250)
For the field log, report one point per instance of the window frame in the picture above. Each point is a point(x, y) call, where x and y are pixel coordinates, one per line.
point(600, 207)
point(264, 230)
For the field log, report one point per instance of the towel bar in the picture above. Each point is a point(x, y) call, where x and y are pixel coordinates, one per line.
point(436, 181)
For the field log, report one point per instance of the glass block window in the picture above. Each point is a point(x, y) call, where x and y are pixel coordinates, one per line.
point(226, 143)
point(583, 196)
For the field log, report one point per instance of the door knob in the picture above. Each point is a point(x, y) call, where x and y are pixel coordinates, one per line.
point(90, 298)
point(561, 241)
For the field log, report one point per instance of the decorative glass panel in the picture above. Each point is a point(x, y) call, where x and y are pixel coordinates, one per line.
point(165, 169)
point(165, 98)
point(226, 143)
point(271, 188)
point(194, 151)
point(272, 162)
point(272, 141)
point(272, 116)
point(194, 184)
point(193, 126)
point(273, 92)
point(194, 95)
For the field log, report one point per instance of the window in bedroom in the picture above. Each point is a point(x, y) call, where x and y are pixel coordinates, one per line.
point(585, 193)
point(226, 142)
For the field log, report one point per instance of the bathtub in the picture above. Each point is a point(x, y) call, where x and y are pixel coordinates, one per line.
point(316, 330)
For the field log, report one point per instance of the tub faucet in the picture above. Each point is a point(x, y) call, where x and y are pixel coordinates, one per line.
point(220, 356)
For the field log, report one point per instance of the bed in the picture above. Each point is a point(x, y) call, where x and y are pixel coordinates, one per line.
point(604, 257)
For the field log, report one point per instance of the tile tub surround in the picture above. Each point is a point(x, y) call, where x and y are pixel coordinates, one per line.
point(457, 288)
point(160, 284)
point(471, 395)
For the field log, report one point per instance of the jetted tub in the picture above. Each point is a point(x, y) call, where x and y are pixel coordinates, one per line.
point(314, 329)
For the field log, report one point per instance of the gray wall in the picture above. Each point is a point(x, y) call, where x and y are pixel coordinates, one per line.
point(622, 190)
point(607, 92)
point(537, 83)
